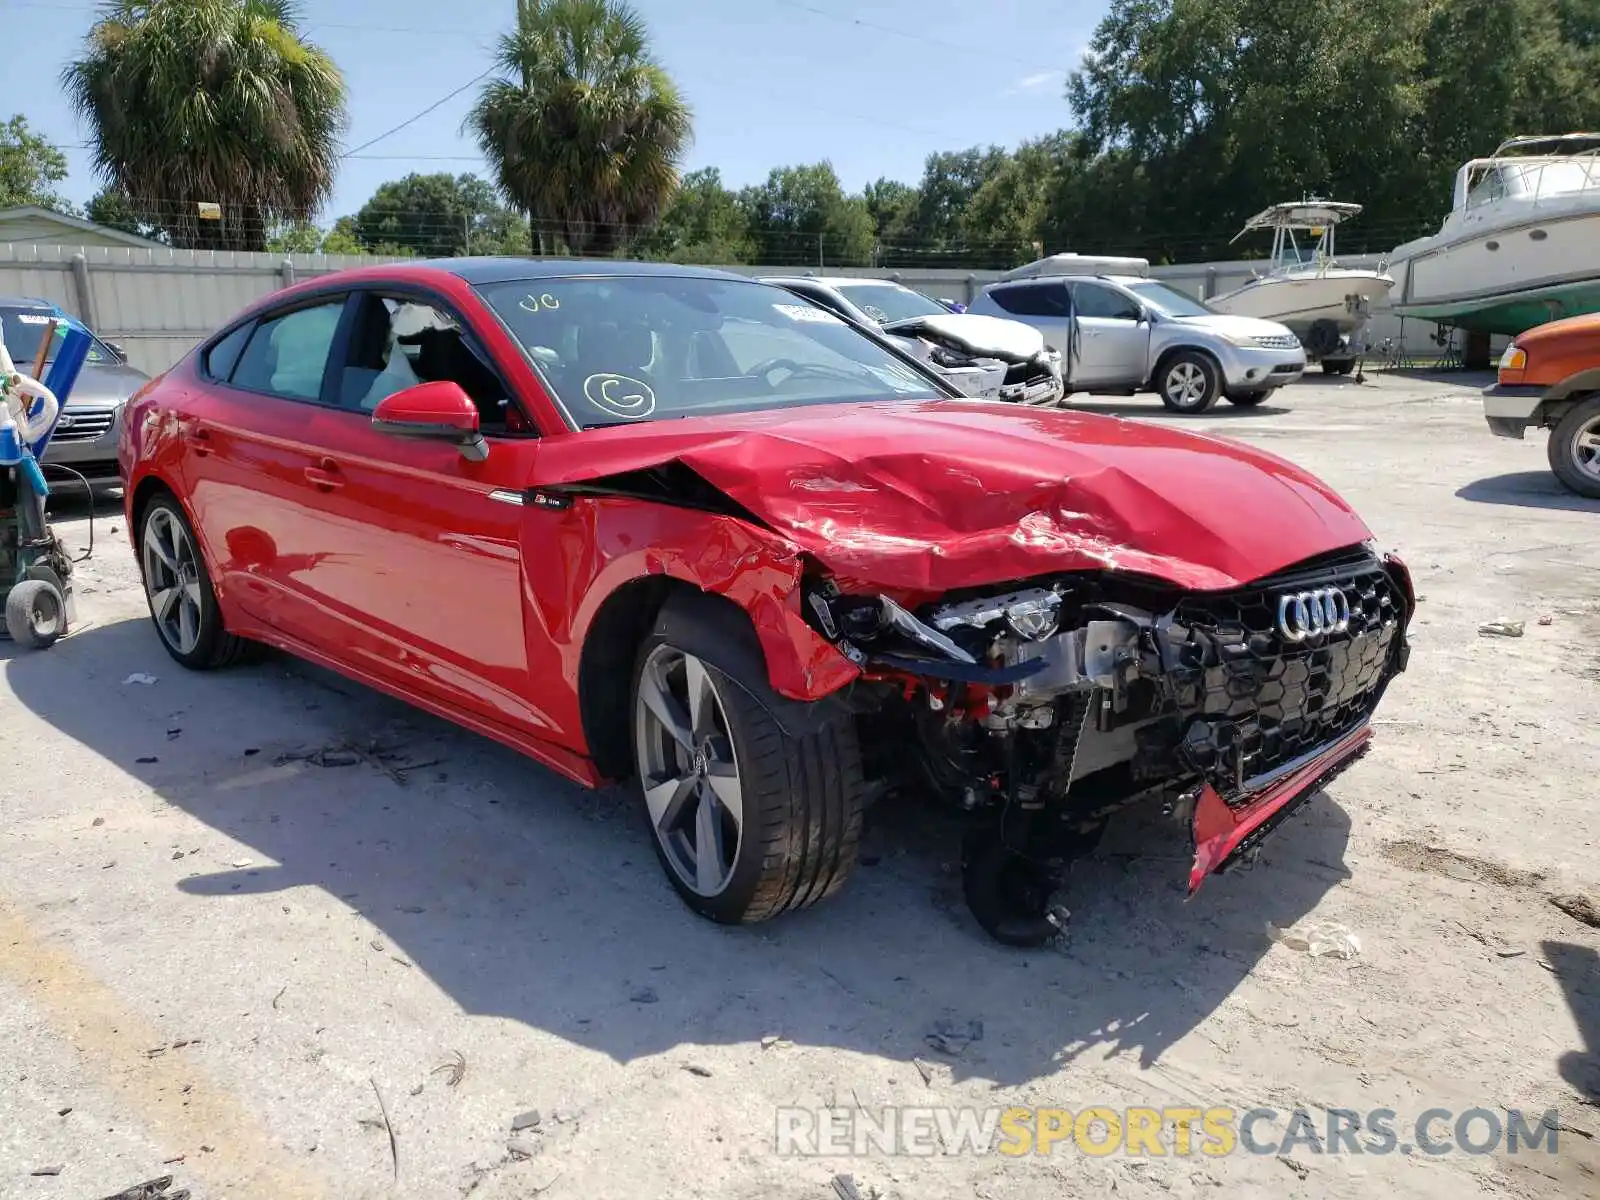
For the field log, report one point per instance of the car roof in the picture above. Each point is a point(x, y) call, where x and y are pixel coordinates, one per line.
point(833, 281)
point(506, 270)
point(27, 302)
point(1124, 280)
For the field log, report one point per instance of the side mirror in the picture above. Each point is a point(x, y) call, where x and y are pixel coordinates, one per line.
point(116, 348)
point(436, 412)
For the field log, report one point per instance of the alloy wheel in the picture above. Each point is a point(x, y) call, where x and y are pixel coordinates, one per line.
point(690, 772)
point(1186, 384)
point(172, 580)
point(1586, 449)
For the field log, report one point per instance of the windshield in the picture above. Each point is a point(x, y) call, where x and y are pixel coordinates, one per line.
point(886, 302)
point(23, 328)
point(618, 349)
point(1166, 301)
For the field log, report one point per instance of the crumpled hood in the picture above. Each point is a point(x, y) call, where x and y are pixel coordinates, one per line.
point(930, 496)
point(970, 333)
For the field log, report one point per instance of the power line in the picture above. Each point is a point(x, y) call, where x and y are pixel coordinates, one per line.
point(911, 34)
point(412, 120)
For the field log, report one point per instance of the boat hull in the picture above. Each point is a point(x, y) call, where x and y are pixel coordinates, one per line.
point(1503, 279)
point(1345, 298)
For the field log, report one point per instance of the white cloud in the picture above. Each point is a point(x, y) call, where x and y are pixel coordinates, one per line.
point(1039, 84)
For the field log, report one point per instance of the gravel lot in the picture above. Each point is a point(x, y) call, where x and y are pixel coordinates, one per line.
point(239, 962)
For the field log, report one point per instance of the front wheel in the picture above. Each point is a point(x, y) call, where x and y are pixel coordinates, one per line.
point(1189, 383)
point(748, 821)
point(1338, 366)
point(1575, 448)
point(1248, 399)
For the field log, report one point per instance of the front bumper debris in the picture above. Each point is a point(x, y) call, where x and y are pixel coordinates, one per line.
point(1221, 833)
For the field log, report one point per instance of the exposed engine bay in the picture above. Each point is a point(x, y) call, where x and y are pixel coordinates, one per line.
point(1046, 708)
point(983, 357)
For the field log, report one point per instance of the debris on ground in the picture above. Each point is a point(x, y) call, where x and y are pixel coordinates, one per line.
point(347, 754)
point(153, 1189)
point(1319, 939)
point(773, 1041)
point(524, 1148)
point(174, 734)
point(644, 996)
point(97, 822)
point(139, 677)
point(924, 1070)
point(455, 1066)
point(948, 1038)
point(1579, 908)
point(240, 864)
point(697, 1069)
point(51, 1170)
point(1299, 1168)
point(279, 996)
point(1547, 619)
point(394, 1147)
point(146, 758)
point(526, 1120)
point(1503, 628)
point(844, 1186)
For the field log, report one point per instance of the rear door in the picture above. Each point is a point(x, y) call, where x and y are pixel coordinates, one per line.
point(1114, 338)
point(251, 435)
point(425, 587)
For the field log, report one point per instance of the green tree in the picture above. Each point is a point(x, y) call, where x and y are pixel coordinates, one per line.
point(583, 128)
point(30, 167)
point(440, 216)
point(109, 207)
point(299, 237)
point(1003, 223)
point(893, 206)
point(704, 224)
point(191, 102)
point(801, 215)
point(949, 181)
point(342, 239)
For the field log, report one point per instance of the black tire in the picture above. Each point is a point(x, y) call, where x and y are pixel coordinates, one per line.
point(1177, 378)
point(36, 614)
point(1008, 895)
point(1249, 399)
point(1338, 366)
point(1568, 455)
point(803, 791)
point(214, 646)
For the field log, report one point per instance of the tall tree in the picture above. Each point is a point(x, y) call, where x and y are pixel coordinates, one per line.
point(584, 129)
point(949, 181)
point(109, 207)
point(893, 206)
point(192, 102)
point(801, 216)
point(30, 167)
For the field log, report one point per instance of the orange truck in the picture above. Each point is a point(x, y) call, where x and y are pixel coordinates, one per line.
point(1550, 378)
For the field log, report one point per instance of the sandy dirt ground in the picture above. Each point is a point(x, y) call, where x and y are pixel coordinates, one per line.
point(228, 961)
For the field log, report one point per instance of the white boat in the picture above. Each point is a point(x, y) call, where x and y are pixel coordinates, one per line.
point(1521, 245)
point(1325, 304)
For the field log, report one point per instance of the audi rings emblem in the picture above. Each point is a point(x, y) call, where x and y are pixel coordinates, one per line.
point(1313, 614)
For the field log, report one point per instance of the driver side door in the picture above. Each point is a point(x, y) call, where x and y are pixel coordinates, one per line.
point(425, 588)
point(1114, 338)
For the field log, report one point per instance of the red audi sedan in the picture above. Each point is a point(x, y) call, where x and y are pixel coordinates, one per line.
point(677, 525)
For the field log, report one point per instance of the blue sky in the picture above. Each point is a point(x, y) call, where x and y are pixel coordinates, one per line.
point(771, 82)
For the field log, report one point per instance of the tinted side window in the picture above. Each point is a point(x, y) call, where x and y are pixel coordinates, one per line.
point(287, 354)
point(1033, 300)
point(222, 357)
point(1097, 301)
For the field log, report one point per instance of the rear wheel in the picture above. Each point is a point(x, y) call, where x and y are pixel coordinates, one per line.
point(1189, 383)
point(1249, 399)
point(1338, 366)
point(1575, 448)
point(748, 821)
point(177, 586)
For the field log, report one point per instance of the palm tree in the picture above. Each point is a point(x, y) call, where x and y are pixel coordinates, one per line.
point(582, 127)
point(195, 102)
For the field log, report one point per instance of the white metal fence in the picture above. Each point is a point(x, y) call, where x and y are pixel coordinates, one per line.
point(159, 303)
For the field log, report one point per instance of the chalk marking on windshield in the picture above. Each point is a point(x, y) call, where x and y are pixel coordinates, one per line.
point(543, 303)
point(805, 313)
point(620, 396)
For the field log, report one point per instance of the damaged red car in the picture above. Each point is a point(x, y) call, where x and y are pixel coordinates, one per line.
point(685, 527)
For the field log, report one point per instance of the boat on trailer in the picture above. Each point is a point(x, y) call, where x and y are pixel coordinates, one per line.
point(1326, 305)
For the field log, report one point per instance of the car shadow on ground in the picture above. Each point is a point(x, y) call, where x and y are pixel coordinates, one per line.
point(1526, 489)
point(1150, 407)
point(522, 896)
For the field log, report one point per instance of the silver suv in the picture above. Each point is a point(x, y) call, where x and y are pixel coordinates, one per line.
point(1126, 334)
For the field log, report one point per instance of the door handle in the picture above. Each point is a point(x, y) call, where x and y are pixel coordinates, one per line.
point(198, 439)
point(325, 476)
